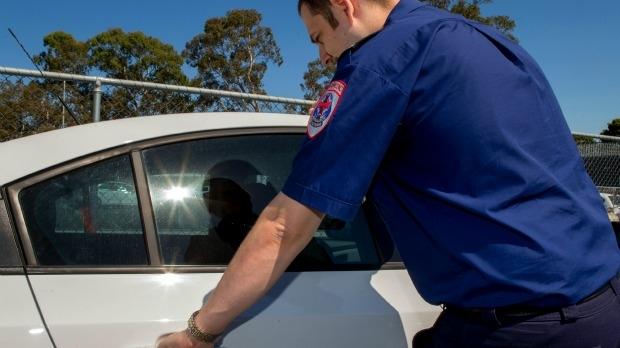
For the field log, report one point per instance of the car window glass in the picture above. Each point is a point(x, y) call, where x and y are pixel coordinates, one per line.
point(207, 194)
point(89, 216)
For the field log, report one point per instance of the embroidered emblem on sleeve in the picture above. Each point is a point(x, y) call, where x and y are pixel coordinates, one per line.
point(325, 108)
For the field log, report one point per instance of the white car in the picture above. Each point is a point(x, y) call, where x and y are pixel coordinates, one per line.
point(113, 233)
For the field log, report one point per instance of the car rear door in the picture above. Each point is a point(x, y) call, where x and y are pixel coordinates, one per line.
point(122, 247)
point(20, 322)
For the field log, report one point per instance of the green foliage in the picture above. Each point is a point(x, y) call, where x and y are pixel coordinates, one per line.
point(67, 55)
point(233, 54)
point(116, 54)
point(613, 128)
point(470, 9)
point(316, 78)
point(135, 56)
point(64, 54)
point(26, 109)
point(580, 139)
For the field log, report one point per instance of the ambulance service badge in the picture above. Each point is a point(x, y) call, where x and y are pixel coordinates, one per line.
point(325, 108)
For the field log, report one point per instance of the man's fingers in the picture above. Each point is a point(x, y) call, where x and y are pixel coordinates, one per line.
point(162, 341)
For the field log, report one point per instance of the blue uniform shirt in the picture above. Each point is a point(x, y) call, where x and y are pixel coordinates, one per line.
point(454, 133)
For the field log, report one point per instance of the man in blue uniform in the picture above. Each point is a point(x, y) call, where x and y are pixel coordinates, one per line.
point(452, 131)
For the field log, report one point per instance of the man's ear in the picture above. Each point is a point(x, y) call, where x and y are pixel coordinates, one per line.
point(344, 7)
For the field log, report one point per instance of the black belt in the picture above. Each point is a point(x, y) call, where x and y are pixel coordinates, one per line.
point(596, 293)
point(517, 312)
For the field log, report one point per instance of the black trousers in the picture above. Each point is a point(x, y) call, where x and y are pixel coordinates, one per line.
point(591, 324)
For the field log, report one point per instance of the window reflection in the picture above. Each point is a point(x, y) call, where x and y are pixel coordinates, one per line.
point(207, 195)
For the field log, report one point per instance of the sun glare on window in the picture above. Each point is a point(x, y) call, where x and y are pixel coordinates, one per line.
point(177, 193)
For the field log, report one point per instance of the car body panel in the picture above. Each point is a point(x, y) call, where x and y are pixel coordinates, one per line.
point(364, 307)
point(20, 322)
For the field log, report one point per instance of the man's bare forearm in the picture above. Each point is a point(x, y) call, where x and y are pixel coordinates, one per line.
point(283, 229)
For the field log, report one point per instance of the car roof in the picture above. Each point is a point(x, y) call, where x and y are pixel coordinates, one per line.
point(27, 155)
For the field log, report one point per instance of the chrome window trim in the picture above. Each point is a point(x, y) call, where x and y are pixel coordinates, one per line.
point(6, 271)
point(49, 270)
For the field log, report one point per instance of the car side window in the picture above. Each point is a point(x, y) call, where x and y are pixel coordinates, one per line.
point(89, 216)
point(207, 194)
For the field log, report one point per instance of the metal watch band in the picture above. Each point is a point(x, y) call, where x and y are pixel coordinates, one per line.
point(196, 333)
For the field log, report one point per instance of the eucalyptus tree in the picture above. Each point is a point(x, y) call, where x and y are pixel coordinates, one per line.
point(136, 56)
point(470, 9)
point(233, 53)
point(64, 54)
point(613, 128)
point(24, 110)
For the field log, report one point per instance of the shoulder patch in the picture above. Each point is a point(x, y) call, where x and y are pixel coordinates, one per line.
point(325, 108)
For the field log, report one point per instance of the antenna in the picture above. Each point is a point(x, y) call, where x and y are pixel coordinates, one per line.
point(43, 75)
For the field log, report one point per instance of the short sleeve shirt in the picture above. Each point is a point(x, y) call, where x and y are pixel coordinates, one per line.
point(454, 133)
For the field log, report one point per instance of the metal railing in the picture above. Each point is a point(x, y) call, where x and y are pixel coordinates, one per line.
point(32, 101)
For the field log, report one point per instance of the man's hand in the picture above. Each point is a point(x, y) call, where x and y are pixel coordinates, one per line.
point(181, 339)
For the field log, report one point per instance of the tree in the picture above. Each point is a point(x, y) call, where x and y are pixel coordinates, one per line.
point(131, 56)
point(25, 109)
point(315, 79)
point(65, 54)
point(233, 54)
point(317, 76)
point(135, 56)
point(613, 128)
point(9, 111)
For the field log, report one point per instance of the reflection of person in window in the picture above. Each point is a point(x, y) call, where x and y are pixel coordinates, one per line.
point(232, 205)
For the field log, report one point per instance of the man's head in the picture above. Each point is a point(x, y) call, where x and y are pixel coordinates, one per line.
point(336, 25)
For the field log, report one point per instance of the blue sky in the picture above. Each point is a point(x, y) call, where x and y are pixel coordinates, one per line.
point(576, 43)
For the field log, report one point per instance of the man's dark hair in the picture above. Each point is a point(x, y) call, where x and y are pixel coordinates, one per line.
point(323, 8)
point(320, 7)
